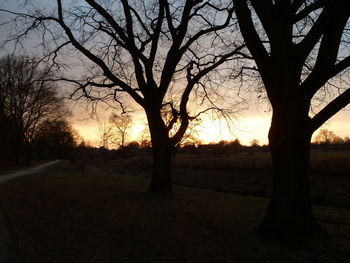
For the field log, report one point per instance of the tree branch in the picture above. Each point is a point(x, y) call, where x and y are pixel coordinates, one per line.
point(95, 59)
point(296, 4)
point(252, 38)
point(264, 10)
point(174, 56)
point(307, 10)
point(330, 110)
point(208, 30)
point(325, 67)
point(314, 35)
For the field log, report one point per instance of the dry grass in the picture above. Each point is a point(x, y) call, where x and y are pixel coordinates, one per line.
point(83, 216)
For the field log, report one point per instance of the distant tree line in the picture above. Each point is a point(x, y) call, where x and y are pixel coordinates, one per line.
point(32, 114)
point(324, 140)
point(327, 140)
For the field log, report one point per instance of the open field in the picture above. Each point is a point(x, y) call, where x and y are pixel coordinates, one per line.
point(85, 216)
point(243, 173)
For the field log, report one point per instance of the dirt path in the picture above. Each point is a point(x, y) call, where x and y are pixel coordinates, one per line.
point(32, 170)
point(8, 249)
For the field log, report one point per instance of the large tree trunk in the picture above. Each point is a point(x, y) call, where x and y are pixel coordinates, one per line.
point(290, 215)
point(161, 180)
point(161, 174)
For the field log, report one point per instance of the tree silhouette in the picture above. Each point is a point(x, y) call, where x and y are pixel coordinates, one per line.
point(254, 142)
point(299, 47)
point(57, 140)
point(28, 100)
point(121, 124)
point(105, 133)
point(326, 137)
point(162, 54)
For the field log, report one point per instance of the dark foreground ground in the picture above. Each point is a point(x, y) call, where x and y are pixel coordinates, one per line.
point(80, 215)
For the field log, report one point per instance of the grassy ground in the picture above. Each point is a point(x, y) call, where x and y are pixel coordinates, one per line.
point(83, 216)
point(242, 173)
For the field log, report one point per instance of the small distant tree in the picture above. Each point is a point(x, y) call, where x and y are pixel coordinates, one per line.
point(145, 143)
point(105, 133)
point(338, 140)
point(121, 127)
point(144, 138)
point(326, 137)
point(133, 146)
point(235, 145)
point(254, 143)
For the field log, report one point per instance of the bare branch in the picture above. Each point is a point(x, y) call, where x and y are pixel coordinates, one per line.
point(330, 110)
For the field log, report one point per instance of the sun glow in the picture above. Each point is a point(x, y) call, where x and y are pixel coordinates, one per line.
point(88, 131)
point(137, 131)
point(245, 129)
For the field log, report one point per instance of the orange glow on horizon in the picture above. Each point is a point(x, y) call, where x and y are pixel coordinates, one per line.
point(245, 129)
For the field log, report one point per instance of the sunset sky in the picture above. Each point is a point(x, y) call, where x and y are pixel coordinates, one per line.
point(247, 125)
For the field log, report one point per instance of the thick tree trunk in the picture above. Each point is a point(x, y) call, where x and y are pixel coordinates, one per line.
point(290, 215)
point(161, 180)
point(161, 174)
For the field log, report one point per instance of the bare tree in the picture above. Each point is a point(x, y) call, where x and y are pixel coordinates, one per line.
point(105, 133)
point(327, 137)
point(28, 99)
point(165, 55)
point(122, 125)
point(144, 138)
point(301, 50)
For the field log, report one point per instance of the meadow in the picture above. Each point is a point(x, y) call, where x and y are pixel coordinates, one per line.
point(247, 173)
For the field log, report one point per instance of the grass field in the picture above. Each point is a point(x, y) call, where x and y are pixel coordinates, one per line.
point(242, 173)
point(83, 215)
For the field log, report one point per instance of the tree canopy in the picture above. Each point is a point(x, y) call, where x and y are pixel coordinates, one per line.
point(27, 101)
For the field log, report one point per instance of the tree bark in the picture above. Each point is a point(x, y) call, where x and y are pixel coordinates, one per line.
point(161, 180)
point(290, 215)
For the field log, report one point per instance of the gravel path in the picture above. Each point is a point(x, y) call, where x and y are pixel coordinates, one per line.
point(9, 252)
